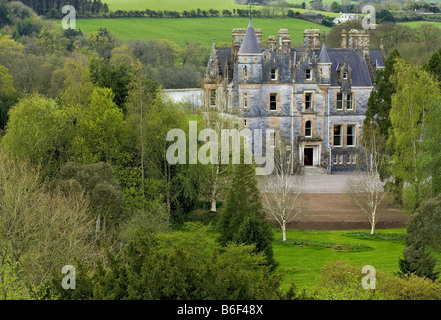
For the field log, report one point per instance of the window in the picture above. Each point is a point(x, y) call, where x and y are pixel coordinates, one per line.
point(354, 159)
point(335, 159)
point(245, 100)
point(308, 101)
point(345, 75)
point(308, 74)
point(340, 158)
point(273, 139)
point(273, 102)
point(245, 122)
point(274, 74)
point(350, 135)
point(348, 159)
point(338, 135)
point(321, 73)
point(308, 129)
point(213, 97)
point(245, 73)
point(350, 103)
point(339, 101)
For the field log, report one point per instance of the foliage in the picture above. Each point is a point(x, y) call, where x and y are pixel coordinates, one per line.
point(40, 229)
point(342, 281)
point(8, 95)
point(423, 225)
point(417, 261)
point(414, 103)
point(183, 265)
point(41, 131)
point(101, 130)
point(434, 65)
point(147, 222)
point(11, 286)
point(100, 186)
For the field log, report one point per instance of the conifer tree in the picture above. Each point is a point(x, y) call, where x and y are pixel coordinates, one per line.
point(244, 220)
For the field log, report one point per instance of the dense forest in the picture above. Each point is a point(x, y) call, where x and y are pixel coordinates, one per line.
point(84, 178)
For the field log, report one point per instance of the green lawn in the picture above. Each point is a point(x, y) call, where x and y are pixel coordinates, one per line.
point(415, 24)
point(201, 29)
point(306, 252)
point(176, 5)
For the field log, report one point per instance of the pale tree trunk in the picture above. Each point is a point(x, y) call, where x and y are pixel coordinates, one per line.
point(213, 205)
point(284, 232)
point(215, 177)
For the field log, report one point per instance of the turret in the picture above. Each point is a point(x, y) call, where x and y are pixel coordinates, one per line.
point(324, 66)
point(250, 58)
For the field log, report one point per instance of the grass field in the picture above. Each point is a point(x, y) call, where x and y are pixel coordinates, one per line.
point(306, 252)
point(200, 29)
point(171, 4)
point(183, 5)
point(419, 23)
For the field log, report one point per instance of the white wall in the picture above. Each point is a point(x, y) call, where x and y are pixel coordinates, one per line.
point(193, 96)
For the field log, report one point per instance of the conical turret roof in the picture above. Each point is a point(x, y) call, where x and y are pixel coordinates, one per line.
point(324, 56)
point(250, 44)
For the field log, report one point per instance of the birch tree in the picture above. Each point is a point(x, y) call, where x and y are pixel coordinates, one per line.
point(366, 188)
point(217, 175)
point(282, 192)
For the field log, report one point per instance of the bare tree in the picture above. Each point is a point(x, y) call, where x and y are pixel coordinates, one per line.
point(42, 230)
point(366, 188)
point(216, 176)
point(282, 191)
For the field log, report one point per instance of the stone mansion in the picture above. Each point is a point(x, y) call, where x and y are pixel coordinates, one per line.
point(314, 97)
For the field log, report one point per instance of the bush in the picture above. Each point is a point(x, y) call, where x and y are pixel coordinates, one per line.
point(342, 281)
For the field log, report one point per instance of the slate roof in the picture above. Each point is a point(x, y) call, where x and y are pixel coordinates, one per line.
point(224, 55)
point(360, 73)
point(250, 44)
point(324, 56)
point(376, 58)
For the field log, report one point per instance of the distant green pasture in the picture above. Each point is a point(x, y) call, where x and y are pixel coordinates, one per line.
point(195, 29)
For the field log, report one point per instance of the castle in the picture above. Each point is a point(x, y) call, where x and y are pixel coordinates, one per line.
point(313, 97)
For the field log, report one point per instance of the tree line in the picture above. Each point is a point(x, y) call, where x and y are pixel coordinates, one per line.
point(52, 8)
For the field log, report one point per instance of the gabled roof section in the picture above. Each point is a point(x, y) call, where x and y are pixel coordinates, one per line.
point(250, 44)
point(324, 56)
point(360, 74)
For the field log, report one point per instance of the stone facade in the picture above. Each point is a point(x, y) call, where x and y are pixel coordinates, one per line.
point(314, 98)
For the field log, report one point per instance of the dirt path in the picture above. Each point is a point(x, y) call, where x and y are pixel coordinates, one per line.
point(337, 212)
point(329, 208)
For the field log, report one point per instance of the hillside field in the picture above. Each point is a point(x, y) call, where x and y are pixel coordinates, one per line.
point(415, 24)
point(177, 5)
point(196, 29)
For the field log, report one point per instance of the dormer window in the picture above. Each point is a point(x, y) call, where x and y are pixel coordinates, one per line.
point(308, 74)
point(213, 97)
point(274, 74)
point(345, 75)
